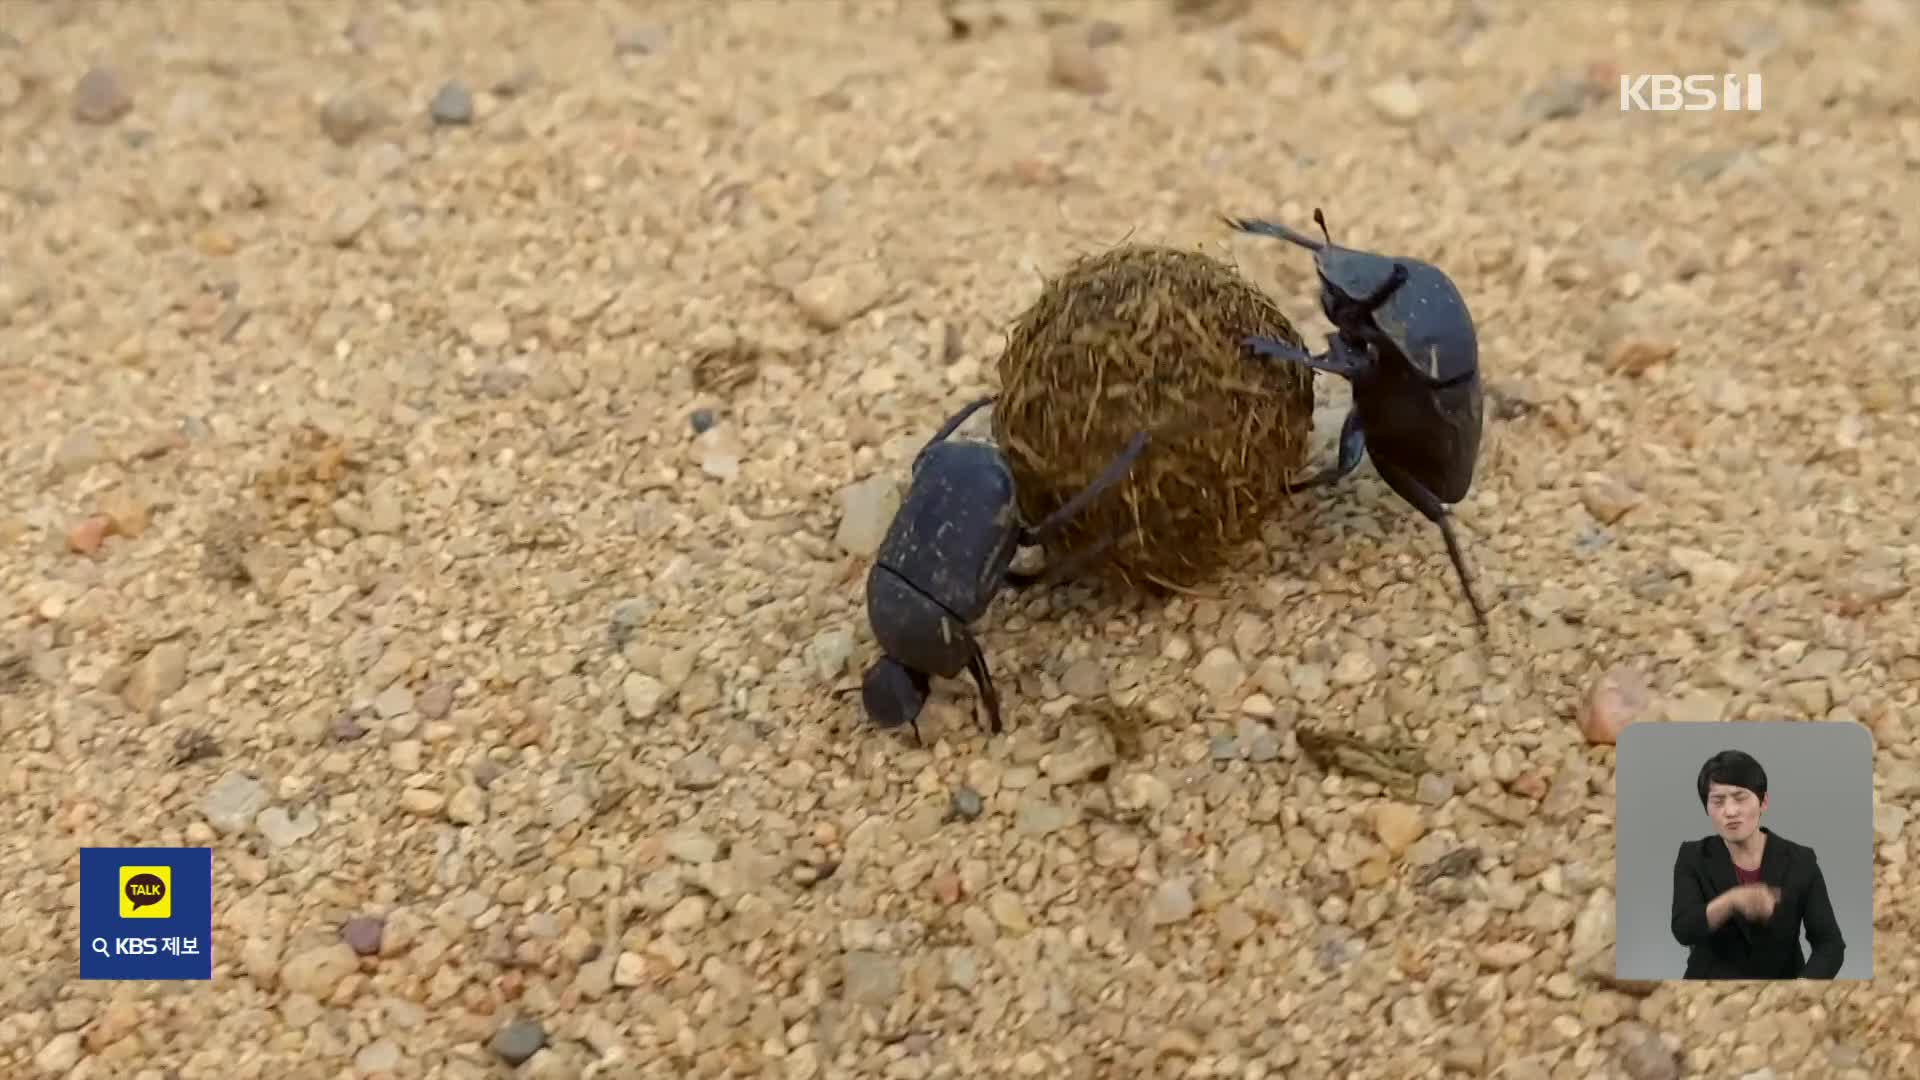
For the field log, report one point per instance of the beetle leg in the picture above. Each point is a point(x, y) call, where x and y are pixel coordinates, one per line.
point(1353, 446)
point(982, 678)
point(1108, 477)
point(1435, 511)
point(953, 422)
point(951, 425)
point(1337, 360)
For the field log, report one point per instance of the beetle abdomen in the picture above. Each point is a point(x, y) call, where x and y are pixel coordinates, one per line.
point(1431, 433)
point(912, 628)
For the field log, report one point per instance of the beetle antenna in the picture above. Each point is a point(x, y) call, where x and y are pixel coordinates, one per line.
point(1320, 219)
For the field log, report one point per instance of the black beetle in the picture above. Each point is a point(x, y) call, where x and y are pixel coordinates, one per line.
point(944, 559)
point(1406, 343)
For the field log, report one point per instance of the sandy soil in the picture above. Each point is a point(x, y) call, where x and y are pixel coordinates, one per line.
point(357, 525)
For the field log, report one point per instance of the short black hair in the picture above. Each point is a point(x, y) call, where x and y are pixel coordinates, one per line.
point(1735, 767)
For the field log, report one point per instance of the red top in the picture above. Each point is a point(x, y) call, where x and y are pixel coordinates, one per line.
point(1747, 877)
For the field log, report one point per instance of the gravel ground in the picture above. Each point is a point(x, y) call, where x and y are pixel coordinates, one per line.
point(454, 436)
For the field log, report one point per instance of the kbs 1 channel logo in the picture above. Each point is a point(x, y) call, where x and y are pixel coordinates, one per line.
point(146, 913)
point(1690, 93)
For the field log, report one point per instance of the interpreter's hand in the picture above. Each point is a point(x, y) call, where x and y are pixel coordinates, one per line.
point(1755, 901)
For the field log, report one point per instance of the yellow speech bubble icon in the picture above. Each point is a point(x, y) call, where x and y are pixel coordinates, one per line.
point(146, 892)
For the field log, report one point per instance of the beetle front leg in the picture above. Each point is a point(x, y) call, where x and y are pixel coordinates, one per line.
point(1339, 359)
point(1258, 227)
point(1353, 446)
point(1435, 511)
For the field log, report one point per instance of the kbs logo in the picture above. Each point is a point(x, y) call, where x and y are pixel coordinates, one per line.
point(1690, 93)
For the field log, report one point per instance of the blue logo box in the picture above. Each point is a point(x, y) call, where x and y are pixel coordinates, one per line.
point(146, 913)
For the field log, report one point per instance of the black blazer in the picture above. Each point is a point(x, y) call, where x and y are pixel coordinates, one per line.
point(1745, 950)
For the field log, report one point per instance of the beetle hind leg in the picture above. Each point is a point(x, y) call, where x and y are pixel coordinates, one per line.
point(1108, 477)
point(1435, 511)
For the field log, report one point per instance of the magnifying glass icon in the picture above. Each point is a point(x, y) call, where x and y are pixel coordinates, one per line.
point(100, 946)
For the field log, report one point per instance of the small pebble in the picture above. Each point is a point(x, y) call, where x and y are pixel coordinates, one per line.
point(363, 933)
point(518, 1040)
point(1084, 679)
point(1219, 672)
point(100, 98)
point(1397, 101)
point(1072, 65)
point(348, 115)
point(490, 332)
point(639, 41)
point(283, 830)
point(1398, 826)
point(967, 804)
point(87, 535)
point(1264, 746)
point(1171, 902)
point(871, 978)
point(59, 1055)
point(452, 104)
point(831, 300)
point(1355, 669)
point(866, 511)
point(697, 771)
point(702, 421)
point(377, 1057)
point(231, 805)
point(643, 695)
point(1643, 1055)
point(692, 846)
point(1620, 696)
point(467, 807)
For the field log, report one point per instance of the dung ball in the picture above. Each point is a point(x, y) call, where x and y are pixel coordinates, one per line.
point(1151, 338)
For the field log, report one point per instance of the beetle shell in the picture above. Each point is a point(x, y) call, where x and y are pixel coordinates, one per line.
point(1428, 321)
point(956, 531)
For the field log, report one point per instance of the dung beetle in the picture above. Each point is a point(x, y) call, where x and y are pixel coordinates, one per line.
point(946, 556)
point(1405, 341)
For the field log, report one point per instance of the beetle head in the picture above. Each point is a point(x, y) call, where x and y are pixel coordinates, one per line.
point(1352, 282)
point(1347, 277)
point(893, 693)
